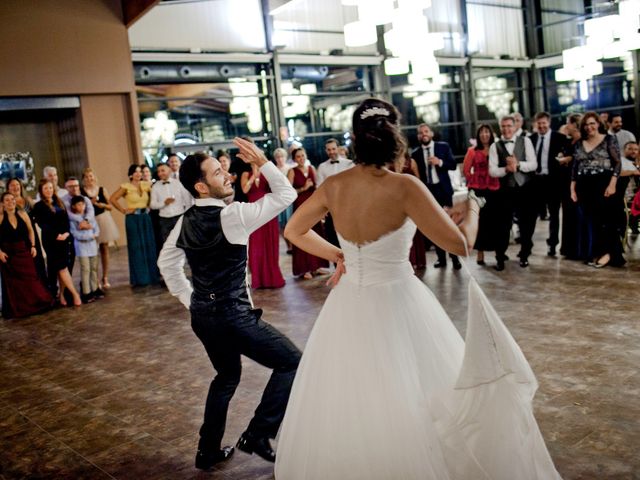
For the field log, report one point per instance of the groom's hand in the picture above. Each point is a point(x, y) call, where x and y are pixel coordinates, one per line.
point(249, 152)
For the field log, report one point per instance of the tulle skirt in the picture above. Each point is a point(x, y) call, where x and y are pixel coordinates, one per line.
point(387, 390)
point(108, 229)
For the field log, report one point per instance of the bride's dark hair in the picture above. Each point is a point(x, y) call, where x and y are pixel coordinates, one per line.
point(378, 140)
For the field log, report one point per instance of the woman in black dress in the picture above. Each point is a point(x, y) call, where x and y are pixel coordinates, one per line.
point(52, 218)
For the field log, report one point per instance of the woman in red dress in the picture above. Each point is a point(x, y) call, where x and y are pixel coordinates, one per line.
point(23, 291)
point(303, 179)
point(263, 243)
point(476, 171)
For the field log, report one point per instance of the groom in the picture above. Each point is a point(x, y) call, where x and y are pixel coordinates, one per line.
point(213, 237)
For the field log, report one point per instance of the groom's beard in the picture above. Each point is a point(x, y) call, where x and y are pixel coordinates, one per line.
point(425, 143)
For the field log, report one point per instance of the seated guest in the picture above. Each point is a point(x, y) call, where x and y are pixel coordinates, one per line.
point(263, 242)
point(86, 246)
point(141, 244)
point(53, 220)
point(23, 291)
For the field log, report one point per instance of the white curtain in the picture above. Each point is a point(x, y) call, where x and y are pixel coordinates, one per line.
point(496, 30)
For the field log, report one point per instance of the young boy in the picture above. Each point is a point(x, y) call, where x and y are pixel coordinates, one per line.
point(86, 250)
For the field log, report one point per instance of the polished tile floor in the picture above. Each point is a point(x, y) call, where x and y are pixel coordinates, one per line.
point(116, 389)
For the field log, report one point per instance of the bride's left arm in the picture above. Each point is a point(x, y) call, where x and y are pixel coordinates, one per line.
point(299, 228)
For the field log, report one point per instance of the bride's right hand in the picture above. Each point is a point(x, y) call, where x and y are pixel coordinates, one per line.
point(340, 270)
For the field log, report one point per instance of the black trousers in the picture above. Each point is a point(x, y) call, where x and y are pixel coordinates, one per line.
point(165, 227)
point(228, 331)
point(520, 201)
point(548, 192)
point(444, 200)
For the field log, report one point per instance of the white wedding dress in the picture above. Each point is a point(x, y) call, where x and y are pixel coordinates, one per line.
point(388, 390)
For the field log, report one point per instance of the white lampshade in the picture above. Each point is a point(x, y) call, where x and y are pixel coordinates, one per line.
point(359, 34)
point(396, 66)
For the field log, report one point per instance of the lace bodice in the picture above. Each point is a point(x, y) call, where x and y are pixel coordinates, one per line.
point(380, 261)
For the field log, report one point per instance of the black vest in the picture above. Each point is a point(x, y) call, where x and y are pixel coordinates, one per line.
point(518, 178)
point(218, 267)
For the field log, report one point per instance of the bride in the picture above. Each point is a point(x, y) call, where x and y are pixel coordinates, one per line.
point(387, 388)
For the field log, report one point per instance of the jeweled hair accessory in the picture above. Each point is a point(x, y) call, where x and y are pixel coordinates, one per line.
point(370, 112)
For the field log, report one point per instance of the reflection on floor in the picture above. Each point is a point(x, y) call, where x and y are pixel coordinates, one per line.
point(116, 389)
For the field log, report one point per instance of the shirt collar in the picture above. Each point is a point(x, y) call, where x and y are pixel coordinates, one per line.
point(210, 202)
point(512, 139)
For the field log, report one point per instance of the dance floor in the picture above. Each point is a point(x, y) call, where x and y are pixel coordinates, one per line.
point(116, 389)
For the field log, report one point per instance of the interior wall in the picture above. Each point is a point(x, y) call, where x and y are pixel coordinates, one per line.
point(102, 122)
point(58, 47)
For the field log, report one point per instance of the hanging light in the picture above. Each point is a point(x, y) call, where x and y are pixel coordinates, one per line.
point(359, 34)
point(396, 66)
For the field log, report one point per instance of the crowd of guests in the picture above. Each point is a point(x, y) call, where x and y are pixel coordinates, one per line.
point(40, 241)
point(578, 178)
point(583, 171)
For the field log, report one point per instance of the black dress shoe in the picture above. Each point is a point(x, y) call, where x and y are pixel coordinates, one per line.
point(524, 262)
point(499, 266)
point(440, 264)
point(551, 252)
point(206, 460)
point(260, 446)
point(456, 264)
point(481, 263)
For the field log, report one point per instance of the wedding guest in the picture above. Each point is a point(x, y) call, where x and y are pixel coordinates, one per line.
point(418, 253)
point(147, 175)
point(225, 163)
point(263, 242)
point(51, 173)
point(593, 187)
point(86, 247)
point(51, 216)
point(628, 170)
point(26, 203)
point(141, 245)
point(332, 166)
point(108, 230)
point(615, 128)
point(23, 201)
point(572, 224)
point(280, 157)
point(170, 199)
point(23, 290)
point(174, 163)
point(303, 179)
point(476, 171)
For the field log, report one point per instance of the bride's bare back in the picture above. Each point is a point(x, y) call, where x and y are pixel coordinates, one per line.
point(366, 203)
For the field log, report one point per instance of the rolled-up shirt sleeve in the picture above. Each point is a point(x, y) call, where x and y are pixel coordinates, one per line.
point(171, 264)
point(239, 219)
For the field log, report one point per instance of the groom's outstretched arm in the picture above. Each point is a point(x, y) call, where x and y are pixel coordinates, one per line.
point(239, 220)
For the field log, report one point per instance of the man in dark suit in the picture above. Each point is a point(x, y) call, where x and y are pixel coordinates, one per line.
point(547, 182)
point(434, 160)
